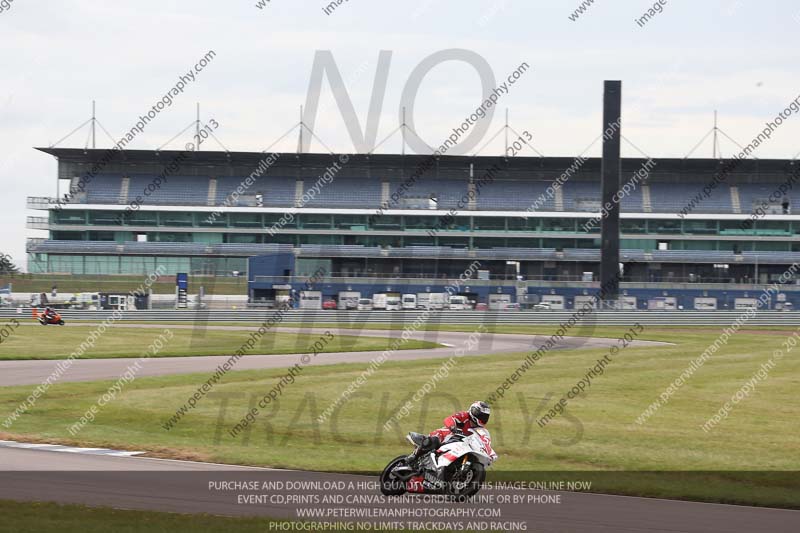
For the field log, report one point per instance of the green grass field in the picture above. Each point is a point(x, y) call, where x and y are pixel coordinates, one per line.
point(598, 433)
point(56, 342)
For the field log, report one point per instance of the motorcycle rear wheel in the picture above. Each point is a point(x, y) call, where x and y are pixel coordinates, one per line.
point(390, 485)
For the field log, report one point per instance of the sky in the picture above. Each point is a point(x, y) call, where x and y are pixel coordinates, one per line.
point(737, 57)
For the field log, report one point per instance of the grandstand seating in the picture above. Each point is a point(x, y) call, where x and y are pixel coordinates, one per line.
point(669, 198)
point(751, 195)
point(344, 193)
point(276, 191)
point(104, 189)
point(502, 194)
point(175, 190)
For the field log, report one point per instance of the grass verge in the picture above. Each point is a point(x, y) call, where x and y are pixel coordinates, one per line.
point(597, 433)
point(56, 342)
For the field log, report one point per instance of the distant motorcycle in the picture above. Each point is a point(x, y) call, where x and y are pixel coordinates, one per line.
point(457, 467)
point(44, 320)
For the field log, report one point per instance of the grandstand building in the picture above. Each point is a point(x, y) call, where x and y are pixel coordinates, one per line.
point(383, 217)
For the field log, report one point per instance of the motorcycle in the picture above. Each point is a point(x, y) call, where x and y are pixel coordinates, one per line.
point(44, 320)
point(456, 468)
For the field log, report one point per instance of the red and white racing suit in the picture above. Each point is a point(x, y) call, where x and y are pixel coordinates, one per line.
point(460, 420)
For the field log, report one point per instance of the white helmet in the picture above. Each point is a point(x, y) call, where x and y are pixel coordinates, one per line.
point(479, 413)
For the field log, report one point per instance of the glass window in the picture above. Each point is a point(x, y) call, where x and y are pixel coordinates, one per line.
point(246, 220)
point(67, 236)
point(700, 227)
point(454, 242)
point(135, 264)
point(633, 225)
point(281, 238)
point(99, 264)
point(170, 237)
point(489, 223)
point(696, 245)
point(103, 218)
point(418, 222)
point(559, 243)
point(736, 227)
point(141, 218)
point(558, 224)
point(419, 240)
point(309, 221)
point(488, 242)
point(177, 219)
point(665, 226)
point(386, 222)
point(353, 222)
point(772, 227)
point(771, 246)
point(101, 235)
point(280, 220)
point(246, 238)
point(68, 217)
point(523, 224)
point(320, 239)
point(212, 219)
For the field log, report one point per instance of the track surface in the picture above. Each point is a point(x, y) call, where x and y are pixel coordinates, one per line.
point(179, 486)
point(29, 372)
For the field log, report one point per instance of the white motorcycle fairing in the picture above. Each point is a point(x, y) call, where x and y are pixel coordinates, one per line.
point(479, 444)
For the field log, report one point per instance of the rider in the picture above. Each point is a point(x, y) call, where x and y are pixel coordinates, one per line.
point(49, 313)
point(464, 421)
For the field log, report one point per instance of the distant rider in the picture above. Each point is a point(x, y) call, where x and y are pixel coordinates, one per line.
point(49, 314)
point(463, 421)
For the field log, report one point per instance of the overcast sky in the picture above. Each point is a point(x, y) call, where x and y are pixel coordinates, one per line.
point(739, 57)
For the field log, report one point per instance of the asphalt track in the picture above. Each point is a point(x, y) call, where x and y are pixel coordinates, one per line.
point(29, 372)
point(183, 487)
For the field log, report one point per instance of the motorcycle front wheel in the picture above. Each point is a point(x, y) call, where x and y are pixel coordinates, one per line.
point(466, 482)
point(390, 485)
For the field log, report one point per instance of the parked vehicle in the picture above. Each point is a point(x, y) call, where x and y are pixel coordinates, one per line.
point(310, 300)
point(423, 300)
point(431, 300)
point(557, 302)
point(481, 306)
point(542, 306)
point(409, 301)
point(393, 302)
point(379, 301)
point(365, 304)
point(497, 301)
point(329, 304)
point(458, 303)
point(510, 307)
point(349, 299)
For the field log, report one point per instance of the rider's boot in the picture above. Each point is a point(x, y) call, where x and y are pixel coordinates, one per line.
point(429, 444)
